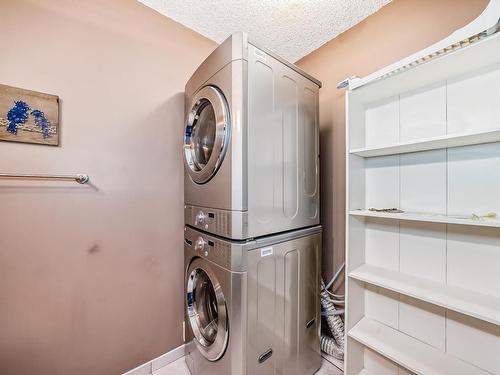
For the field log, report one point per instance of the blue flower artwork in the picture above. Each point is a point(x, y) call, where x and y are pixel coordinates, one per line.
point(17, 115)
point(28, 116)
point(41, 122)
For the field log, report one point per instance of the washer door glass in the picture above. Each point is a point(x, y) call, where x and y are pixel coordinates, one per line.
point(207, 134)
point(207, 313)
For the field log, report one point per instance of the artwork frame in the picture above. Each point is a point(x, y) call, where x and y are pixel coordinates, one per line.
point(28, 116)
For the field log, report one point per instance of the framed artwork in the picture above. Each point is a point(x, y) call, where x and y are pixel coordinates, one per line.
point(28, 116)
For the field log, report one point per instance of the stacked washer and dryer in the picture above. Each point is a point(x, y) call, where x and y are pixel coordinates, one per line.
point(252, 239)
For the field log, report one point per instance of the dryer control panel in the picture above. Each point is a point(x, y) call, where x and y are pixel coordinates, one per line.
point(228, 224)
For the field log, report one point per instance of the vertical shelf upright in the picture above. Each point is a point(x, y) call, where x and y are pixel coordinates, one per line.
point(423, 283)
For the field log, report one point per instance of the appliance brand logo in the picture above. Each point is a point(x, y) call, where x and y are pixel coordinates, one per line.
point(266, 251)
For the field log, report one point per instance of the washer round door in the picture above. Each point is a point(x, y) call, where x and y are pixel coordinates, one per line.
point(207, 311)
point(207, 134)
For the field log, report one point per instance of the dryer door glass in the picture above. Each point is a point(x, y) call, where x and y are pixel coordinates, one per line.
point(207, 134)
point(206, 308)
point(203, 135)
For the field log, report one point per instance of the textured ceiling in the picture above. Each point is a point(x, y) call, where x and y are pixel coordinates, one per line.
point(291, 28)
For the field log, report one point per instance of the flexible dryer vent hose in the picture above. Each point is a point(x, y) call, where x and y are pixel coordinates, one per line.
point(332, 346)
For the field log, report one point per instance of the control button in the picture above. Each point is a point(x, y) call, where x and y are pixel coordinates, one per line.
point(200, 244)
point(200, 218)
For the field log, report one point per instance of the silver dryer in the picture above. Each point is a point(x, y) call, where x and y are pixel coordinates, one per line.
point(251, 149)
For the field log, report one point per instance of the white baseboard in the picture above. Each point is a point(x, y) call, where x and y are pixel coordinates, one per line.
point(159, 362)
point(167, 358)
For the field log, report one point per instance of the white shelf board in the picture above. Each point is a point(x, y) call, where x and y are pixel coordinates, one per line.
point(408, 352)
point(430, 218)
point(467, 302)
point(447, 141)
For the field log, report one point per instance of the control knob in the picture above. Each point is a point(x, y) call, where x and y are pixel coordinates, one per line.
point(200, 219)
point(199, 244)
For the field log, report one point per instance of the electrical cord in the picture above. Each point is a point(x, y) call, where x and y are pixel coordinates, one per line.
point(334, 278)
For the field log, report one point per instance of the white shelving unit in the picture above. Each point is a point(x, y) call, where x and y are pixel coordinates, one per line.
point(423, 286)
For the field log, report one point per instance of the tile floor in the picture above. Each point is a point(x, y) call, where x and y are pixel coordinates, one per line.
point(179, 368)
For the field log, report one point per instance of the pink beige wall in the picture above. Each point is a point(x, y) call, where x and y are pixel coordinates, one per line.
point(91, 278)
point(396, 31)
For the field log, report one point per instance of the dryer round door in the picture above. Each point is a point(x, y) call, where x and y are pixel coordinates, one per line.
point(207, 311)
point(207, 134)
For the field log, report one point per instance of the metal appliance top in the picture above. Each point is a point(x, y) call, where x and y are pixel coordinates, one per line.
point(232, 254)
point(235, 47)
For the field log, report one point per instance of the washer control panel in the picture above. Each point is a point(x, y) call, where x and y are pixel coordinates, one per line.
point(208, 247)
point(200, 245)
